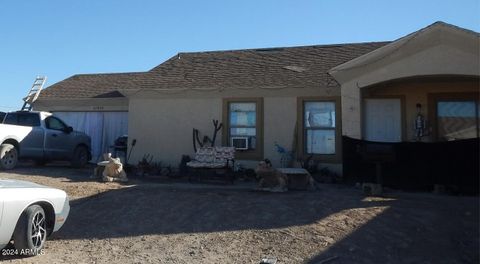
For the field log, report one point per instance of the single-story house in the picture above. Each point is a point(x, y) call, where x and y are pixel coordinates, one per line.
point(301, 98)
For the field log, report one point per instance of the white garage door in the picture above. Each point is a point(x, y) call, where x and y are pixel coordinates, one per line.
point(383, 120)
point(102, 127)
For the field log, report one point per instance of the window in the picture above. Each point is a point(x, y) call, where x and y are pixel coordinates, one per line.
point(319, 127)
point(242, 127)
point(11, 119)
point(454, 116)
point(54, 123)
point(319, 131)
point(457, 119)
point(23, 119)
point(243, 123)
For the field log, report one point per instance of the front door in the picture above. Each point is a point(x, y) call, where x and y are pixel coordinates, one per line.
point(382, 120)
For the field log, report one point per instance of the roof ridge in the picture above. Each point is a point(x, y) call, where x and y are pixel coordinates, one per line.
point(285, 47)
point(106, 73)
point(445, 24)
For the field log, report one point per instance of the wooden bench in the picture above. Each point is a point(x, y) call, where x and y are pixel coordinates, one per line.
point(212, 163)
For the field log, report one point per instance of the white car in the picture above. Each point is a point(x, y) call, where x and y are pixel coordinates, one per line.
point(29, 212)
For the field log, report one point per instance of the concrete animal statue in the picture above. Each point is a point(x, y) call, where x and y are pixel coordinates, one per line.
point(114, 171)
point(269, 177)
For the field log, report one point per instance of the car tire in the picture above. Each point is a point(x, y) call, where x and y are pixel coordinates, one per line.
point(80, 157)
point(8, 156)
point(31, 231)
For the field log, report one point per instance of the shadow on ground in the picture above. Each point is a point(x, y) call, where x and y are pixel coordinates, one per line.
point(144, 210)
point(416, 229)
point(54, 170)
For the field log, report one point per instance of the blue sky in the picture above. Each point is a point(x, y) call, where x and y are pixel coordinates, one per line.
point(60, 38)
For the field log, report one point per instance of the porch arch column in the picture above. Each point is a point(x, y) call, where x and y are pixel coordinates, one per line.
point(351, 110)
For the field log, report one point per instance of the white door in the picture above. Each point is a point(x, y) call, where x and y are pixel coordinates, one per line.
point(383, 120)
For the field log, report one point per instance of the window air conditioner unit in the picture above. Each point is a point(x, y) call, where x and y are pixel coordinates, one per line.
point(240, 143)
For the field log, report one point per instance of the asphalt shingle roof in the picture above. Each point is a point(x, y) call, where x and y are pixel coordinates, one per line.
point(291, 67)
point(91, 86)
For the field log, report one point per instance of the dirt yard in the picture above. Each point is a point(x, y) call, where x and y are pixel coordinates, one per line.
point(197, 223)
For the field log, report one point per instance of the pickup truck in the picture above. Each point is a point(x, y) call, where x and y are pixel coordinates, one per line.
point(42, 137)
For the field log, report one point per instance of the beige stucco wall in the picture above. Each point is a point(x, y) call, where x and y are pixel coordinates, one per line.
point(415, 91)
point(351, 111)
point(162, 123)
point(163, 127)
point(280, 117)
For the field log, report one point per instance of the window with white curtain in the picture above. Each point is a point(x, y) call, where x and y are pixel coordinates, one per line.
point(319, 127)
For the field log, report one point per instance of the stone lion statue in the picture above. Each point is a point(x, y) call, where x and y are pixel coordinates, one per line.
point(270, 178)
point(114, 171)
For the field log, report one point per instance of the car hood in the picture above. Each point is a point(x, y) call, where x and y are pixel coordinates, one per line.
point(7, 183)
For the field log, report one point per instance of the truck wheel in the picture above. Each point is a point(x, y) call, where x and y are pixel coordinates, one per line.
point(31, 231)
point(8, 156)
point(80, 157)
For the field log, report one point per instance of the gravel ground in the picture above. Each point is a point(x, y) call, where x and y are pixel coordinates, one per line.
point(143, 222)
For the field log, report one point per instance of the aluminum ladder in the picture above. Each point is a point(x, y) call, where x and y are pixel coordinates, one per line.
point(33, 93)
